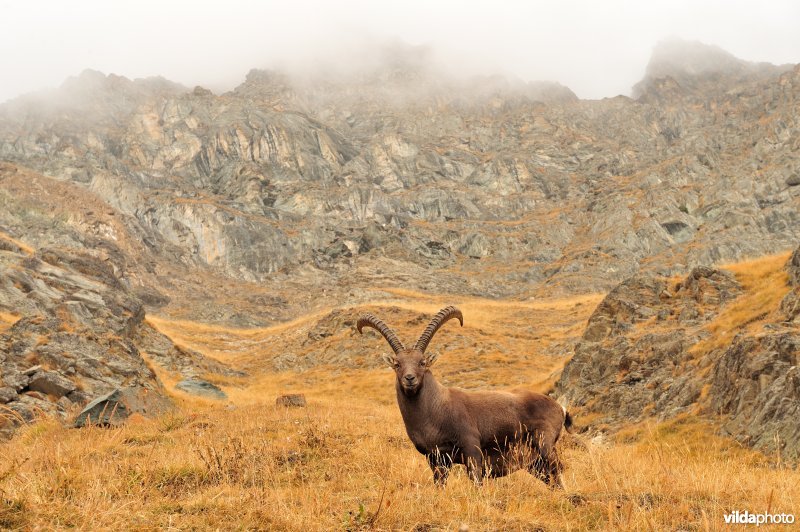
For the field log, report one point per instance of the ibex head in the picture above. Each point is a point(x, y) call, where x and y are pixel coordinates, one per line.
point(410, 365)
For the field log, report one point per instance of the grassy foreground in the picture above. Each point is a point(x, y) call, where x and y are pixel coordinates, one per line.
point(345, 463)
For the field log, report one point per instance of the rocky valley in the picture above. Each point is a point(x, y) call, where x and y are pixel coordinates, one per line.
point(202, 253)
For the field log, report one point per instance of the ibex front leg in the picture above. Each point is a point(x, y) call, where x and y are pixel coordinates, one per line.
point(440, 463)
point(473, 458)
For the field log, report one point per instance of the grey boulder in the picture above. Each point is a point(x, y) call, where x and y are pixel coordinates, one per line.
point(114, 408)
point(201, 388)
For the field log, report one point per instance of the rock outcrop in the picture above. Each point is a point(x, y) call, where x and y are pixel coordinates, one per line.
point(790, 306)
point(642, 356)
point(73, 339)
point(628, 370)
point(756, 381)
point(80, 334)
point(755, 385)
point(201, 388)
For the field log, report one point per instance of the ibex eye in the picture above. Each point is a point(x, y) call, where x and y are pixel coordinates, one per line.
point(422, 362)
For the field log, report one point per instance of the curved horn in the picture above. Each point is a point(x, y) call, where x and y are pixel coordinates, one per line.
point(368, 320)
point(440, 319)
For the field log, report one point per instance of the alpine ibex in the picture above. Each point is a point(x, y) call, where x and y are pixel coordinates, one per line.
point(492, 433)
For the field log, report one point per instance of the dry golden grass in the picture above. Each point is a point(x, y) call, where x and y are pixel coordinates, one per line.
point(344, 462)
point(18, 243)
point(508, 344)
point(7, 320)
point(765, 284)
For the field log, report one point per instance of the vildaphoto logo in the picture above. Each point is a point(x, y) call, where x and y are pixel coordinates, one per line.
point(746, 518)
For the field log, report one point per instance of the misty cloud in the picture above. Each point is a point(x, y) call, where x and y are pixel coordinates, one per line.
point(595, 48)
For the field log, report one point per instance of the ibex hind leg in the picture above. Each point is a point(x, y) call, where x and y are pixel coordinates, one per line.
point(546, 465)
point(553, 468)
point(548, 472)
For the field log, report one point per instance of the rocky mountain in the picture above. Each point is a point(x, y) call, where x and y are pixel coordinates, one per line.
point(405, 175)
point(691, 67)
point(80, 334)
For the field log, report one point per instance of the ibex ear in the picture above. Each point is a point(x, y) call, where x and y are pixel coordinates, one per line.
point(389, 360)
point(431, 358)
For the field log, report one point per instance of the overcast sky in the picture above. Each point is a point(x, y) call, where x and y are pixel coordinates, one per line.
point(597, 48)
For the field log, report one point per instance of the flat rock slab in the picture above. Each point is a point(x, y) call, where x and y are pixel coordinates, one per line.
point(33, 369)
point(114, 408)
point(201, 388)
point(291, 399)
point(51, 383)
point(106, 410)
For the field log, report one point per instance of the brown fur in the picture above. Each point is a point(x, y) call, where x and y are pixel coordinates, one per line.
point(491, 433)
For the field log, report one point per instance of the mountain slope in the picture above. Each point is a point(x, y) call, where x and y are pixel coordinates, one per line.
point(482, 186)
